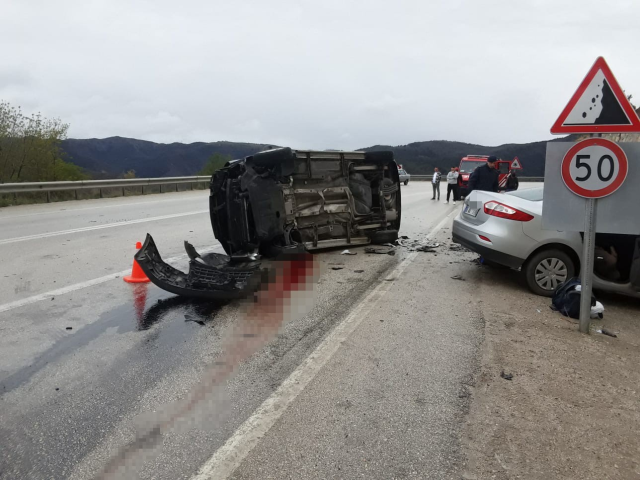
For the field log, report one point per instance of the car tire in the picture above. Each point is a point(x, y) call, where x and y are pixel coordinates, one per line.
point(551, 262)
point(406, 182)
point(384, 236)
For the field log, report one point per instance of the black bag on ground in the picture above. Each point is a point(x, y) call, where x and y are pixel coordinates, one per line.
point(566, 298)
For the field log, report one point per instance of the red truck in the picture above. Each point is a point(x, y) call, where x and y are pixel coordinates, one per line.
point(469, 163)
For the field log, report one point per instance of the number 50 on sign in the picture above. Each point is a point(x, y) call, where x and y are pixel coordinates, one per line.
point(594, 168)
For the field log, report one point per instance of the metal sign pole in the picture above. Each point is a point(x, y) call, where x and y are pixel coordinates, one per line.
point(588, 254)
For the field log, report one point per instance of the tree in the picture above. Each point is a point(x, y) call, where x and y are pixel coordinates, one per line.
point(215, 162)
point(30, 148)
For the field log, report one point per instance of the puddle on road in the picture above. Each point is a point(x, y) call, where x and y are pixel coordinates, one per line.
point(148, 306)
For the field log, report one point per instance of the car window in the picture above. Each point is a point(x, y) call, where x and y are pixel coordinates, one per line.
point(533, 194)
point(469, 166)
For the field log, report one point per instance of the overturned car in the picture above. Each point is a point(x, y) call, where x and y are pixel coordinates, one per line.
point(284, 201)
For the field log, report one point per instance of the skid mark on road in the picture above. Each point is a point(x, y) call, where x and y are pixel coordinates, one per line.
point(98, 227)
point(228, 457)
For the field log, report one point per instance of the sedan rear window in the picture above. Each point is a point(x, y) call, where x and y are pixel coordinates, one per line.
point(533, 194)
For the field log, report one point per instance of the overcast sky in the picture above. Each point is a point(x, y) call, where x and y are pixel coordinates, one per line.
point(311, 74)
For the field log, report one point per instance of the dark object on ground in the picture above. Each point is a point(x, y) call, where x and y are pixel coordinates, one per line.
point(506, 376)
point(337, 268)
point(404, 237)
point(458, 277)
point(69, 328)
point(381, 251)
point(358, 271)
point(425, 249)
point(283, 201)
point(609, 333)
point(566, 298)
point(458, 248)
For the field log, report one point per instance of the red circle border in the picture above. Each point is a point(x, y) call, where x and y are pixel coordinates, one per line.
point(603, 192)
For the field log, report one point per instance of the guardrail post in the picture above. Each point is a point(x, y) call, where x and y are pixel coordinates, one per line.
point(142, 190)
point(101, 196)
point(161, 188)
point(123, 191)
point(75, 192)
point(48, 196)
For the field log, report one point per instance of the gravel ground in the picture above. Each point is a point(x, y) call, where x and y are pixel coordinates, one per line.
point(571, 409)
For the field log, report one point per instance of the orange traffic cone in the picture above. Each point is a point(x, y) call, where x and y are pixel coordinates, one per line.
point(137, 275)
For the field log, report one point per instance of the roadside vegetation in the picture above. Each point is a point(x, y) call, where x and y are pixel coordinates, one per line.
point(215, 162)
point(30, 148)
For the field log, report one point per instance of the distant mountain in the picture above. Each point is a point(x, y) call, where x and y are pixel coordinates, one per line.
point(111, 157)
point(421, 157)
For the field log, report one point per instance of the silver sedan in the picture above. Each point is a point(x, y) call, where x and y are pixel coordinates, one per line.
point(506, 229)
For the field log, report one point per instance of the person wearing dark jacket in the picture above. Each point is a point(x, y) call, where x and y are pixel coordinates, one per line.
point(485, 177)
point(512, 181)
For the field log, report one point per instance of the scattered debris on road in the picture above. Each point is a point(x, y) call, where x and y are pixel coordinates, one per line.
point(69, 328)
point(347, 252)
point(381, 251)
point(358, 271)
point(609, 333)
point(506, 376)
point(337, 268)
point(458, 277)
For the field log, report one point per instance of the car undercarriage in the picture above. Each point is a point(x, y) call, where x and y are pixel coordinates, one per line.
point(284, 201)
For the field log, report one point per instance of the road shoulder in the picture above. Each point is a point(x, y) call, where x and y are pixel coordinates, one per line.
point(571, 410)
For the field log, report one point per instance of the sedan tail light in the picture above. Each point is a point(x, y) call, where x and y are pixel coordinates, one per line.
point(501, 210)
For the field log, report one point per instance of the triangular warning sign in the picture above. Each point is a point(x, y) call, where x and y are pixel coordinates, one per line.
point(598, 106)
point(515, 164)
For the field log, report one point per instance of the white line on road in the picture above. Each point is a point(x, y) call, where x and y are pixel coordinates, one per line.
point(229, 456)
point(106, 205)
point(98, 227)
point(89, 283)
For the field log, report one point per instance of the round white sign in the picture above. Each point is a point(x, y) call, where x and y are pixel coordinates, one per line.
point(594, 168)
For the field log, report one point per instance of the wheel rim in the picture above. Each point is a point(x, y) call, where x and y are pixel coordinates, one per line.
point(550, 273)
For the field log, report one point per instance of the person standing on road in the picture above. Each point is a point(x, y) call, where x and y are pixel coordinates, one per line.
point(512, 181)
point(485, 177)
point(452, 185)
point(435, 183)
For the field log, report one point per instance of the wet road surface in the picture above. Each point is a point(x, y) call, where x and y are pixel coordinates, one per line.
point(83, 371)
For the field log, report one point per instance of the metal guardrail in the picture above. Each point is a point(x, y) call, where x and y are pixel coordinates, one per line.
point(31, 187)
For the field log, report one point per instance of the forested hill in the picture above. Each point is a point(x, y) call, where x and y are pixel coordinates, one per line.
point(111, 157)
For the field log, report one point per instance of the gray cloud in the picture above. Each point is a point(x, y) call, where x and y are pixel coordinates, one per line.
point(330, 74)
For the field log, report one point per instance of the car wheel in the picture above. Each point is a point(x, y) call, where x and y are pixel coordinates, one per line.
point(547, 269)
point(406, 182)
point(384, 236)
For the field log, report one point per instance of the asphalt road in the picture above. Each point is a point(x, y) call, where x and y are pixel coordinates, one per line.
point(87, 361)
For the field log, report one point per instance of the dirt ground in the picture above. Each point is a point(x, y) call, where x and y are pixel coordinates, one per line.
point(572, 409)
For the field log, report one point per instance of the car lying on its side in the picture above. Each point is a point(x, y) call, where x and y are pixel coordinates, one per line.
point(506, 229)
point(279, 201)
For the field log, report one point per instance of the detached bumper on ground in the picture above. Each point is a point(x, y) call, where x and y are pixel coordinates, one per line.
point(211, 276)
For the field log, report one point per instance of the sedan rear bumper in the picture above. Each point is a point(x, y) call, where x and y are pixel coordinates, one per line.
point(468, 238)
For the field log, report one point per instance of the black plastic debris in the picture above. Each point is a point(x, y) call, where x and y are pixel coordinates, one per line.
point(69, 328)
point(358, 271)
point(609, 333)
point(381, 251)
point(506, 376)
point(336, 268)
point(458, 277)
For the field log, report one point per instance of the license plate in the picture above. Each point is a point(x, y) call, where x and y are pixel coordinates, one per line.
point(472, 212)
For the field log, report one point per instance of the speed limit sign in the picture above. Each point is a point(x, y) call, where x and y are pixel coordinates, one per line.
point(594, 168)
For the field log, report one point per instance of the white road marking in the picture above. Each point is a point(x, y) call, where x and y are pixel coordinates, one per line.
point(109, 205)
point(89, 283)
point(229, 456)
point(98, 227)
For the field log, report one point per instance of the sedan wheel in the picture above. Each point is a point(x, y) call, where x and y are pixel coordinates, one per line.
point(546, 270)
point(550, 273)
